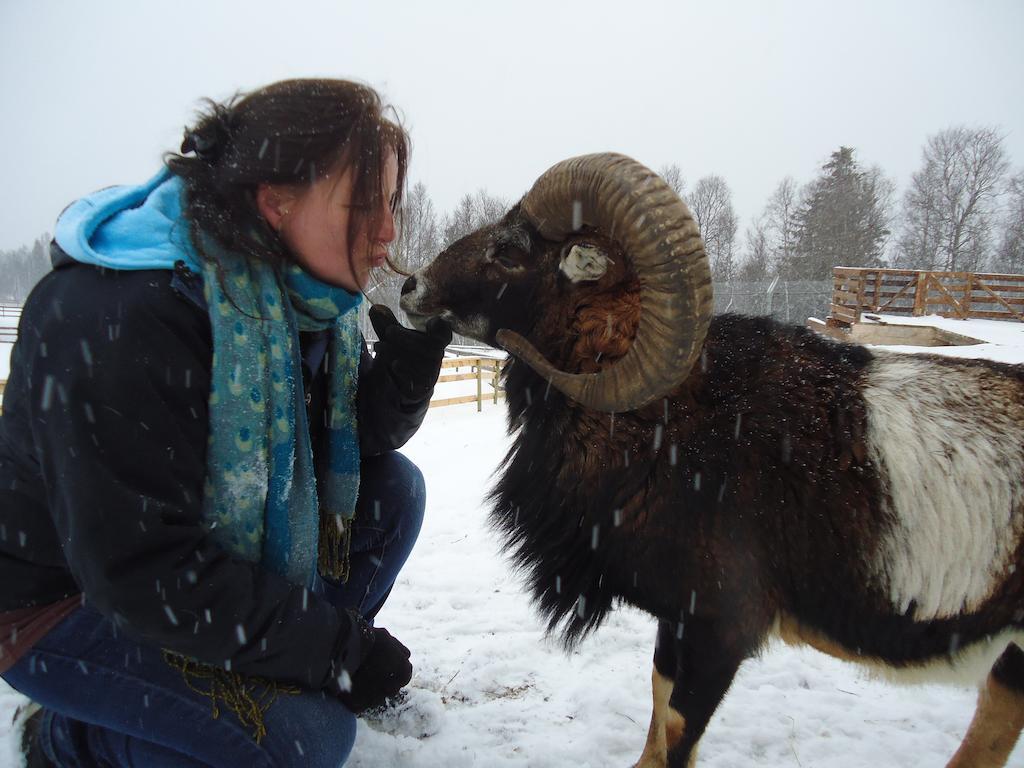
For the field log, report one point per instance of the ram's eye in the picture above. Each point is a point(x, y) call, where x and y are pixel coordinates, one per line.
point(506, 262)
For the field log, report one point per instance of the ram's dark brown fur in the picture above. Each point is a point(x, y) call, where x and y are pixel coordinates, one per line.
point(746, 503)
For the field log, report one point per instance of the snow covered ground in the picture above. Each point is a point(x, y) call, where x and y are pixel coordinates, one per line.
point(504, 695)
point(1002, 341)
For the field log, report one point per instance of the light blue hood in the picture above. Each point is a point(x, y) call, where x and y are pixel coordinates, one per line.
point(138, 227)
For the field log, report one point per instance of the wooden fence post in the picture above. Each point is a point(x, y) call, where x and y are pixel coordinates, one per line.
point(920, 289)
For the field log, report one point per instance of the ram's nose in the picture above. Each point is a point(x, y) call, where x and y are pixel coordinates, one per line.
point(409, 285)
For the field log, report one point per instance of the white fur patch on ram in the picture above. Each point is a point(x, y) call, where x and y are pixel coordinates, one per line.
point(948, 444)
point(584, 262)
point(474, 326)
point(410, 302)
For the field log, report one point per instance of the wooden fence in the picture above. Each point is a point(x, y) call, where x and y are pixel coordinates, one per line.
point(909, 292)
point(8, 334)
point(9, 315)
point(482, 369)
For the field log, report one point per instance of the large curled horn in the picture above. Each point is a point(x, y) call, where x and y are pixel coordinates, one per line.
point(631, 204)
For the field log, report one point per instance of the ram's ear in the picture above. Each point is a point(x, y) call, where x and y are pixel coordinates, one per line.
point(584, 262)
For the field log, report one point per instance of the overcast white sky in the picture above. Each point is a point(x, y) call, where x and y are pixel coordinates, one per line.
point(494, 92)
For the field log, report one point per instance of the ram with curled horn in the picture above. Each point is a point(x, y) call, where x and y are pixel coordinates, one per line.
point(737, 478)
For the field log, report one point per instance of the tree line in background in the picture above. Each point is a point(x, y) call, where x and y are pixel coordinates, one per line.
point(21, 268)
point(963, 210)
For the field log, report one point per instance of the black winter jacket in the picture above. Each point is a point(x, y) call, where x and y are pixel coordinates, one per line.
point(102, 461)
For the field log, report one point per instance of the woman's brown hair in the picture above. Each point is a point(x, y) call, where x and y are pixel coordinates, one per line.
point(291, 132)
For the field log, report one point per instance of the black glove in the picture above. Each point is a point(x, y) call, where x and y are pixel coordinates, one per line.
point(385, 669)
point(413, 358)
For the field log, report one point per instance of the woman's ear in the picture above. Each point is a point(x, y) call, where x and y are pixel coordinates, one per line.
point(274, 203)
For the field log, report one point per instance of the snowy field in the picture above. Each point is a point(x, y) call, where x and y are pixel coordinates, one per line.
point(501, 694)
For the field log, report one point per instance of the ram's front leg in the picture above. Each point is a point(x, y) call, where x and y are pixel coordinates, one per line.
point(693, 668)
point(666, 723)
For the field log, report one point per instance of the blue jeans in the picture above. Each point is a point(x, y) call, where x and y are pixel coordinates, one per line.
point(110, 701)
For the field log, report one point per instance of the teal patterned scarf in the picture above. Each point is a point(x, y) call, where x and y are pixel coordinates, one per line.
point(261, 499)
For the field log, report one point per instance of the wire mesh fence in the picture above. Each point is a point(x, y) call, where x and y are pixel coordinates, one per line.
point(789, 301)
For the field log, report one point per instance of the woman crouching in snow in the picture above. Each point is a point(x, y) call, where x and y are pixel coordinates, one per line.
point(201, 509)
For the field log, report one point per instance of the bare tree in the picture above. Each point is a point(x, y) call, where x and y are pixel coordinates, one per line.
point(472, 212)
point(419, 239)
point(948, 210)
point(756, 263)
point(711, 205)
point(1010, 254)
point(881, 215)
point(673, 176)
point(21, 269)
point(489, 208)
point(780, 222)
point(919, 245)
point(724, 264)
point(459, 222)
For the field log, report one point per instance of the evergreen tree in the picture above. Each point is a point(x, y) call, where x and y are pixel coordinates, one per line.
point(842, 220)
point(1009, 257)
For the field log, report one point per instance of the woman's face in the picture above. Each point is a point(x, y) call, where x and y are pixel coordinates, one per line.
point(314, 224)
